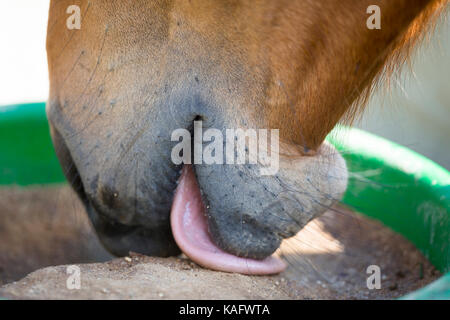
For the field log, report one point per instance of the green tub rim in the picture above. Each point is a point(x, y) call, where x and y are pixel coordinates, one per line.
point(385, 178)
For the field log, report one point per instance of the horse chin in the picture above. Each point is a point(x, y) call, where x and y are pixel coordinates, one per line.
point(250, 214)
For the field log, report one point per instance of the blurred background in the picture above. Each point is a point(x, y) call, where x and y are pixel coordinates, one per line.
point(414, 111)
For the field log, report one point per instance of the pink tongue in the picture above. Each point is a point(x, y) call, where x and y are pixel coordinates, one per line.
point(190, 230)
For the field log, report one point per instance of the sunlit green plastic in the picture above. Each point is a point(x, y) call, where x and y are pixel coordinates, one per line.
point(26, 152)
point(404, 190)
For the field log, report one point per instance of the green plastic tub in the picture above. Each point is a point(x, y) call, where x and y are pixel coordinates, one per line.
point(406, 191)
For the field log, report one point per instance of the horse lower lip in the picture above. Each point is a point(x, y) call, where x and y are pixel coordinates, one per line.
point(190, 230)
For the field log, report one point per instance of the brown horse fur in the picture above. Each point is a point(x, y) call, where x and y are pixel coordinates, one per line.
point(317, 56)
